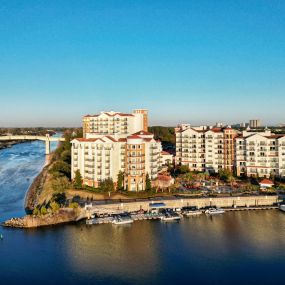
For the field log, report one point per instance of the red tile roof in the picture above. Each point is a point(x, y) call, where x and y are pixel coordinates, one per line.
point(134, 137)
point(216, 130)
point(111, 138)
point(86, 140)
point(266, 181)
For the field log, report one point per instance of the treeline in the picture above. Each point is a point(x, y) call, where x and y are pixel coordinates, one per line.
point(61, 159)
point(33, 131)
point(26, 131)
point(164, 134)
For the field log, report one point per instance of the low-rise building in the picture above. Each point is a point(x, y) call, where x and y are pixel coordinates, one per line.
point(166, 158)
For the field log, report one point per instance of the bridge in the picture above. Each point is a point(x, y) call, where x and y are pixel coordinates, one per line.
point(47, 138)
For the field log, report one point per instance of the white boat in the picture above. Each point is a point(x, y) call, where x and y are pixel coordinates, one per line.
point(121, 220)
point(170, 217)
point(282, 207)
point(192, 213)
point(214, 211)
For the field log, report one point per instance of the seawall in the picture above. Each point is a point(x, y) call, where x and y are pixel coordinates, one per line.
point(224, 202)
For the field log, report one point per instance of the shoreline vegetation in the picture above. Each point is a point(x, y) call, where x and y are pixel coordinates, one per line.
point(8, 144)
point(45, 201)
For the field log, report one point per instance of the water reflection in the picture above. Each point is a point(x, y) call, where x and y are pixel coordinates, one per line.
point(263, 233)
point(127, 250)
point(143, 250)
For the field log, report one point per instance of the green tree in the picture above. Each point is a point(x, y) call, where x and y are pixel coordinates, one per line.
point(59, 198)
point(147, 183)
point(182, 169)
point(77, 180)
point(225, 175)
point(107, 185)
point(60, 168)
point(66, 156)
point(61, 183)
point(120, 182)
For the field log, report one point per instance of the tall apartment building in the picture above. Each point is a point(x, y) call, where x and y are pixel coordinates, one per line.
point(110, 146)
point(254, 123)
point(260, 154)
point(115, 123)
point(202, 148)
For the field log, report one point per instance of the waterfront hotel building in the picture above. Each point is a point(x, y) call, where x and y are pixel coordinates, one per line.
point(205, 148)
point(260, 154)
point(112, 123)
point(115, 142)
point(248, 153)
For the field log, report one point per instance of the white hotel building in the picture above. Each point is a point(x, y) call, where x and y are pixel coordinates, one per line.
point(115, 123)
point(248, 153)
point(260, 154)
point(108, 147)
point(205, 148)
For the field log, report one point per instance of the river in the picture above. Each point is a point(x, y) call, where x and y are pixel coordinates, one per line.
point(233, 248)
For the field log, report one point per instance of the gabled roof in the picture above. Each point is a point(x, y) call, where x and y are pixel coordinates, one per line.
point(255, 135)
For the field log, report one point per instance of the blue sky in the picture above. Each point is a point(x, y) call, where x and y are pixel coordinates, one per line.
point(186, 61)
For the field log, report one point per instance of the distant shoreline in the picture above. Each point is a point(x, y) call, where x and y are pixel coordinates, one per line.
point(8, 144)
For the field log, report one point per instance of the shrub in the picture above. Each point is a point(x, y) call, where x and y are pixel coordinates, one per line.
point(43, 210)
point(73, 205)
point(54, 206)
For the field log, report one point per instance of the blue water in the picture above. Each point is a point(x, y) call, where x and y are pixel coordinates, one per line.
point(19, 165)
point(234, 248)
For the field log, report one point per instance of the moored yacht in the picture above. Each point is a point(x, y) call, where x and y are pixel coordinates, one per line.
point(282, 207)
point(121, 220)
point(191, 211)
point(168, 217)
point(214, 211)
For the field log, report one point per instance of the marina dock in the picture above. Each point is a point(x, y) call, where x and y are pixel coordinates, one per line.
point(149, 216)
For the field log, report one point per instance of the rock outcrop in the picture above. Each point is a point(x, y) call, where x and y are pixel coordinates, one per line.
point(64, 215)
